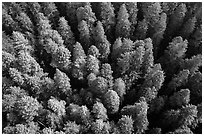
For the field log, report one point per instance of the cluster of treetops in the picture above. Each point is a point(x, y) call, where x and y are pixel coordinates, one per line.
point(101, 67)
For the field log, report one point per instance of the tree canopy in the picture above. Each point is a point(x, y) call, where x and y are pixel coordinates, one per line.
point(102, 68)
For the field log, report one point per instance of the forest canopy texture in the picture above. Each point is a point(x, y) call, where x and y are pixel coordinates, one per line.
point(102, 68)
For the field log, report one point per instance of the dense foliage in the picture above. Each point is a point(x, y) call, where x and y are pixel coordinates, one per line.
point(104, 68)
